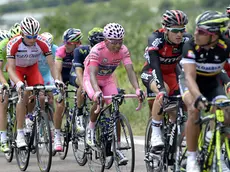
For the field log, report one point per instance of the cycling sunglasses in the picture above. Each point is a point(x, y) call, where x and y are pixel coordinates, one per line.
point(31, 37)
point(201, 31)
point(114, 41)
point(176, 30)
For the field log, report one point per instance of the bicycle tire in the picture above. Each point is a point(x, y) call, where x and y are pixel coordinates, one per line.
point(43, 136)
point(125, 128)
point(77, 140)
point(65, 134)
point(95, 157)
point(49, 111)
point(22, 156)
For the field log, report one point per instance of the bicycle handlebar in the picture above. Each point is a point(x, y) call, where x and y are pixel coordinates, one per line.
point(99, 105)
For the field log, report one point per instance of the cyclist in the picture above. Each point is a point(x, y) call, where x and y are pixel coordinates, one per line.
point(76, 75)
point(23, 52)
point(5, 37)
point(99, 66)
point(203, 59)
point(159, 72)
point(63, 63)
point(46, 75)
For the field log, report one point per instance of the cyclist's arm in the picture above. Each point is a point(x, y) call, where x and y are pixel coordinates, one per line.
point(58, 65)
point(190, 79)
point(79, 73)
point(11, 70)
point(154, 62)
point(132, 76)
point(93, 80)
point(2, 78)
point(189, 65)
point(50, 62)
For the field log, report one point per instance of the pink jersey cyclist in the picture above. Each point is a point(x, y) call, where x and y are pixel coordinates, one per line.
point(97, 80)
point(107, 62)
point(27, 57)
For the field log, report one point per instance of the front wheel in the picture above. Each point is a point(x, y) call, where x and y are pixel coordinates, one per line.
point(43, 143)
point(124, 145)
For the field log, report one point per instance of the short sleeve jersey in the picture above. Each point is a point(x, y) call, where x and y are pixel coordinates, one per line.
point(106, 60)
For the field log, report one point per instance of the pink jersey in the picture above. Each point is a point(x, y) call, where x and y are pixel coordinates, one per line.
point(27, 55)
point(106, 61)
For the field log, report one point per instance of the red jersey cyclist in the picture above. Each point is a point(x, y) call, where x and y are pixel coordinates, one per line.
point(23, 52)
point(159, 72)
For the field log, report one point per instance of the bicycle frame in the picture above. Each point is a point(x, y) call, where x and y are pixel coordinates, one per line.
point(206, 154)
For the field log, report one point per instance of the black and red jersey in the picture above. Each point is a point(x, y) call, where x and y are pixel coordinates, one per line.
point(161, 55)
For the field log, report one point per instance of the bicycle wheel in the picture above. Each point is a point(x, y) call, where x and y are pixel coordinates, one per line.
point(78, 142)
point(10, 134)
point(96, 158)
point(126, 146)
point(109, 162)
point(23, 155)
point(43, 143)
point(49, 111)
point(65, 136)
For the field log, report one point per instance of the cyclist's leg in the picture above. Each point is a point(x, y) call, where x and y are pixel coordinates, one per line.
point(156, 139)
point(3, 123)
point(74, 81)
point(93, 117)
point(59, 110)
point(21, 109)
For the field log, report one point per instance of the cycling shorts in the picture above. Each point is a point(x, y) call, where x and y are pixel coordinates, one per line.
point(107, 86)
point(170, 79)
point(32, 74)
point(72, 79)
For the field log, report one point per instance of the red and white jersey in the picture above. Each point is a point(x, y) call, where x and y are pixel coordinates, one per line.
point(27, 55)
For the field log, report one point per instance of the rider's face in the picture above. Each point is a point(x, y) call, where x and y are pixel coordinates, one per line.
point(201, 36)
point(30, 39)
point(114, 45)
point(175, 33)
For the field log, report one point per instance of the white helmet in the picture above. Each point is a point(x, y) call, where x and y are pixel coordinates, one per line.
point(3, 34)
point(49, 37)
point(30, 26)
point(114, 31)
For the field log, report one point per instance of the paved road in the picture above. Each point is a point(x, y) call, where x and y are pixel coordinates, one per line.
point(69, 164)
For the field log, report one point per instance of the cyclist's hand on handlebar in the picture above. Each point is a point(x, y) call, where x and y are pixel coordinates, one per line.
point(97, 95)
point(140, 94)
point(59, 84)
point(5, 86)
point(201, 103)
point(160, 95)
point(20, 86)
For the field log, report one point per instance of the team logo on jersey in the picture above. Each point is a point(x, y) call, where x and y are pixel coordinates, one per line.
point(156, 42)
point(191, 54)
point(176, 50)
point(105, 60)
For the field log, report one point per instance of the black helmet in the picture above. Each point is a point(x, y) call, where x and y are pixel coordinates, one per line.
point(174, 17)
point(95, 36)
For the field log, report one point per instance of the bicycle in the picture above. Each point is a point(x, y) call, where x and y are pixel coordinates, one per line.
point(39, 139)
point(66, 121)
point(112, 132)
point(169, 155)
point(209, 153)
